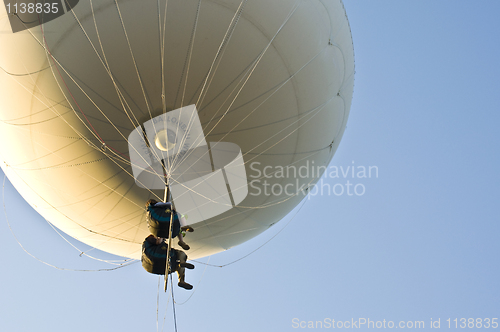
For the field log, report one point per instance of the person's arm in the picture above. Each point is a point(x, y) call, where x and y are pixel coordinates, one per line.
point(162, 205)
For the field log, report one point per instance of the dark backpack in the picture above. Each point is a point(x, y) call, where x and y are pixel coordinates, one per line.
point(154, 258)
point(159, 222)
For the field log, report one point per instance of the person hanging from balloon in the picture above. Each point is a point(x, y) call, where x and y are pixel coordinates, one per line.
point(159, 215)
point(154, 259)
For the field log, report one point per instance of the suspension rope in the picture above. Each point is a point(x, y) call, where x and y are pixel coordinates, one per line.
point(173, 302)
point(161, 35)
point(265, 243)
point(74, 221)
point(188, 65)
point(198, 284)
point(158, 306)
point(83, 253)
point(42, 261)
point(157, 302)
point(137, 71)
point(123, 101)
point(168, 199)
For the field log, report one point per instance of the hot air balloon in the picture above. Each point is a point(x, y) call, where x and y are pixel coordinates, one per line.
point(241, 104)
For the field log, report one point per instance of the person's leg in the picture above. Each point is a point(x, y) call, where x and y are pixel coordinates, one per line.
point(184, 225)
point(182, 257)
point(187, 228)
point(181, 242)
point(178, 234)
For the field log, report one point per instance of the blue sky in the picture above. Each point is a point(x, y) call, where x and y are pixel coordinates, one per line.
point(420, 244)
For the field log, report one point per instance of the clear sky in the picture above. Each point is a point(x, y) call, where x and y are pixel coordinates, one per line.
point(421, 244)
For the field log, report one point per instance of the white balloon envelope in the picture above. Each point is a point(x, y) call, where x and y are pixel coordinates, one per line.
point(230, 98)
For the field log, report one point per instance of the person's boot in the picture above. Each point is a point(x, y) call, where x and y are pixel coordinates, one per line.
point(185, 285)
point(182, 283)
point(186, 265)
point(183, 245)
point(187, 229)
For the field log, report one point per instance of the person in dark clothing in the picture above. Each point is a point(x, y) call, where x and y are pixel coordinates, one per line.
point(154, 258)
point(159, 216)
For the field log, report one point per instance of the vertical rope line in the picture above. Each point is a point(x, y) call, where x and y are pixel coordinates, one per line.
point(108, 70)
point(158, 302)
point(191, 48)
point(121, 97)
point(162, 54)
point(169, 241)
point(135, 64)
point(173, 303)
